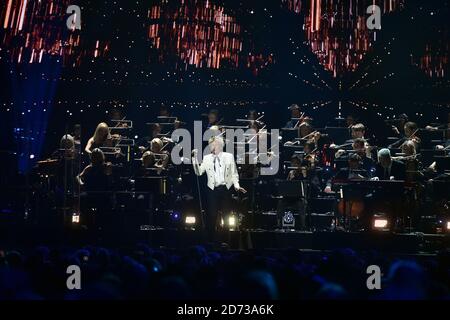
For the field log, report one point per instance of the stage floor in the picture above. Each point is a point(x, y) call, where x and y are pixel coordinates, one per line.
point(411, 243)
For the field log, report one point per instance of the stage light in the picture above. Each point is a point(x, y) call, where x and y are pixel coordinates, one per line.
point(448, 225)
point(175, 215)
point(75, 218)
point(288, 220)
point(190, 220)
point(380, 222)
point(232, 221)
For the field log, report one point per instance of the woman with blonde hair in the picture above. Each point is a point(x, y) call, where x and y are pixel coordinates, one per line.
point(101, 138)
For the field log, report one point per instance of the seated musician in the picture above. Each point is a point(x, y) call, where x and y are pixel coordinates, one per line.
point(252, 115)
point(411, 161)
point(402, 119)
point(96, 176)
point(161, 156)
point(102, 138)
point(76, 134)
point(115, 118)
point(66, 149)
point(350, 121)
point(358, 131)
point(305, 129)
point(410, 130)
point(295, 116)
point(411, 133)
point(388, 168)
point(354, 171)
point(150, 161)
point(213, 118)
point(154, 132)
point(359, 147)
point(96, 181)
point(310, 147)
point(297, 171)
point(305, 169)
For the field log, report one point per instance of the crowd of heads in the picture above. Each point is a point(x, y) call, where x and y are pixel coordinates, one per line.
point(142, 272)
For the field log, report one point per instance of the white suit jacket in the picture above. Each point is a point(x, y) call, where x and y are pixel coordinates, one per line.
point(231, 174)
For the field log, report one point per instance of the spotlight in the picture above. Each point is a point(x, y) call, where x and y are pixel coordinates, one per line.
point(190, 220)
point(231, 221)
point(380, 223)
point(75, 218)
point(175, 216)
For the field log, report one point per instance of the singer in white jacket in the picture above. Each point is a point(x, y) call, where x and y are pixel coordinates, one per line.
point(222, 174)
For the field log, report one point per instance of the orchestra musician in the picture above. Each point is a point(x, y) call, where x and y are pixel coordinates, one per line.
point(350, 121)
point(354, 170)
point(360, 148)
point(96, 181)
point(402, 119)
point(115, 118)
point(305, 129)
point(102, 138)
point(295, 116)
point(410, 129)
point(161, 156)
point(76, 134)
point(358, 131)
point(222, 174)
point(388, 168)
point(414, 169)
point(213, 118)
point(95, 176)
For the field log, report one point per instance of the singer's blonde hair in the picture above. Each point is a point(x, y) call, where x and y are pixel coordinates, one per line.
point(217, 139)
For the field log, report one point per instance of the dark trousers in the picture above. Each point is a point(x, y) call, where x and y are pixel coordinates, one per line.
point(218, 200)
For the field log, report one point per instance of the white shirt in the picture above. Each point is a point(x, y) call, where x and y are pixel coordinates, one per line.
point(219, 170)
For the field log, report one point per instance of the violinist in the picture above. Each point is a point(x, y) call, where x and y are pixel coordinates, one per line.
point(363, 150)
point(161, 156)
point(297, 171)
point(411, 160)
point(410, 129)
point(358, 131)
point(304, 130)
point(310, 153)
point(148, 162)
point(295, 116)
point(411, 133)
point(102, 138)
